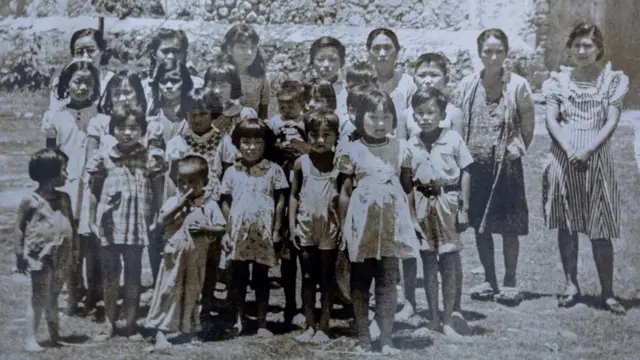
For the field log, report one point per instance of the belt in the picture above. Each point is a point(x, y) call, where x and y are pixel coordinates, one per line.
point(436, 190)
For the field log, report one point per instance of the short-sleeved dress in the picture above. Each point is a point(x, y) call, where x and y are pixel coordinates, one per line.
point(252, 212)
point(401, 96)
point(378, 222)
point(256, 91)
point(182, 271)
point(585, 202)
point(70, 128)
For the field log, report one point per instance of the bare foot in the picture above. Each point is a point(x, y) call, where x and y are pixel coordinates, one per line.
point(300, 321)
point(422, 332)
point(405, 314)
point(135, 337)
point(453, 335)
point(320, 337)
point(161, 342)
point(107, 334)
point(238, 326)
point(460, 324)
point(306, 336)
point(388, 350)
point(31, 345)
point(362, 349)
point(374, 330)
point(263, 333)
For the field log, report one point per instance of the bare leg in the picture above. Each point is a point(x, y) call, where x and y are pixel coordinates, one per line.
point(34, 310)
point(511, 249)
point(409, 275)
point(484, 244)
point(568, 245)
point(457, 306)
point(603, 255)
point(431, 289)
point(132, 271)
point(360, 283)
point(111, 269)
point(386, 299)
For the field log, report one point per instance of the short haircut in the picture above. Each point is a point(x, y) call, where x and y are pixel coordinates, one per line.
point(437, 59)
point(290, 90)
point(315, 119)
point(371, 102)
point(194, 165)
point(489, 33)
point(423, 95)
point(586, 29)
point(320, 89)
point(47, 164)
point(203, 99)
point(323, 42)
point(253, 128)
point(123, 77)
point(98, 37)
point(362, 72)
point(223, 71)
point(62, 90)
point(120, 116)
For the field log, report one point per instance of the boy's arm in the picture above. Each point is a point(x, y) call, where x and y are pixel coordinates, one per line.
point(25, 211)
point(465, 187)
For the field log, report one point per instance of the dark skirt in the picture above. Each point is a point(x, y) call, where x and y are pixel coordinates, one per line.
point(508, 213)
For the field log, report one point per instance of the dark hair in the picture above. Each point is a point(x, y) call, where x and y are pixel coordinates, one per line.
point(198, 166)
point(123, 77)
point(202, 99)
point(386, 32)
point(437, 59)
point(586, 29)
point(323, 42)
point(290, 90)
point(315, 119)
point(47, 164)
point(254, 128)
point(496, 33)
point(370, 103)
point(424, 95)
point(98, 37)
point(62, 90)
point(362, 72)
point(223, 71)
point(247, 34)
point(120, 116)
point(320, 89)
point(357, 93)
point(165, 34)
point(187, 85)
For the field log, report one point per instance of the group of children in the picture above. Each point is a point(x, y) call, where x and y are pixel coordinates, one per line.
point(223, 187)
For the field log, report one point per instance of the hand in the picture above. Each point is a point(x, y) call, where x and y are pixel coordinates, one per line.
point(196, 227)
point(580, 158)
point(295, 240)
point(226, 244)
point(342, 245)
point(22, 264)
point(95, 230)
point(462, 220)
point(276, 238)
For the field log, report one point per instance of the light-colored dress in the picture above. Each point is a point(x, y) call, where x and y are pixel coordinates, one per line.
point(317, 222)
point(251, 217)
point(401, 96)
point(70, 128)
point(170, 128)
point(378, 222)
point(182, 271)
point(585, 202)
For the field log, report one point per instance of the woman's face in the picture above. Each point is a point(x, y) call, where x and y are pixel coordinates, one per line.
point(251, 148)
point(327, 62)
point(124, 95)
point(493, 53)
point(378, 124)
point(128, 133)
point(584, 51)
point(169, 52)
point(81, 85)
point(383, 51)
point(170, 85)
point(243, 53)
point(87, 48)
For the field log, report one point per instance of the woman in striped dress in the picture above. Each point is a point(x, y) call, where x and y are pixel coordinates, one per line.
point(580, 189)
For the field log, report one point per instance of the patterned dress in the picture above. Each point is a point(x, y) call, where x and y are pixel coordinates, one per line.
point(585, 202)
point(256, 91)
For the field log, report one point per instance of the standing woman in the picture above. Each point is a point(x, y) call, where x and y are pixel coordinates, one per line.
point(89, 44)
point(327, 58)
point(383, 47)
point(498, 127)
point(580, 186)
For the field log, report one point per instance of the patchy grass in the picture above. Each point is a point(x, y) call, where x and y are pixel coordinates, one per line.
point(536, 329)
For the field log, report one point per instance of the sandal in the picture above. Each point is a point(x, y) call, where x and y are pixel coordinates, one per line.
point(568, 300)
point(612, 305)
point(509, 296)
point(482, 292)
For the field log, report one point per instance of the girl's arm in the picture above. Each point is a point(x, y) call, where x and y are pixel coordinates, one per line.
point(25, 212)
point(294, 197)
point(345, 197)
point(279, 196)
point(620, 89)
point(406, 179)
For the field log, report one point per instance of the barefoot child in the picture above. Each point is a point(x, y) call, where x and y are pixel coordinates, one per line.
point(44, 234)
point(313, 220)
point(122, 217)
point(377, 221)
point(252, 195)
point(440, 165)
point(191, 221)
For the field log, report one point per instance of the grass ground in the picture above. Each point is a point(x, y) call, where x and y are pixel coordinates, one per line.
point(536, 329)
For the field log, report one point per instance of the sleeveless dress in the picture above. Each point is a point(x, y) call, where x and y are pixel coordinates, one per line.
point(585, 202)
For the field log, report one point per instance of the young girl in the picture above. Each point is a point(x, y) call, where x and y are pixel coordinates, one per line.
point(67, 127)
point(240, 43)
point(122, 217)
point(377, 219)
point(123, 90)
point(202, 139)
point(313, 219)
point(192, 221)
point(253, 201)
point(44, 235)
point(319, 94)
point(354, 99)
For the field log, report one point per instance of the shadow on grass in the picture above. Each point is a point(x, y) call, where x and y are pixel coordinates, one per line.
point(595, 302)
point(412, 343)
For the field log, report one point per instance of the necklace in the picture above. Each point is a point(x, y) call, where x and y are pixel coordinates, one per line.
point(206, 147)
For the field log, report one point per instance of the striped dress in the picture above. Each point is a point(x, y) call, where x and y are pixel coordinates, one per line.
point(583, 202)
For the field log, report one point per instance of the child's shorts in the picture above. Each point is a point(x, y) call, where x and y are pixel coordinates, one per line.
point(437, 218)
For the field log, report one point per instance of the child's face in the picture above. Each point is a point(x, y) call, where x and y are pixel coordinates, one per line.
point(289, 108)
point(190, 180)
point(123, 96)
point(430, 75)
point(223, 91)
point(199, 120)
point(243, 53)
point(81, 85)
point(61, 180)
point(428, 116)
point(128, 133)
point(251, 148)
point(316, 104)
point(168, 52)
point(327, 62)
point(170, 85)
point(378, 124)
point(322, 139)
point(86, 47)
point(584, 51)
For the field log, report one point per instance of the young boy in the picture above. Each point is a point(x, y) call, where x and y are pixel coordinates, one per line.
point(440, 163)
point(431, 70)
